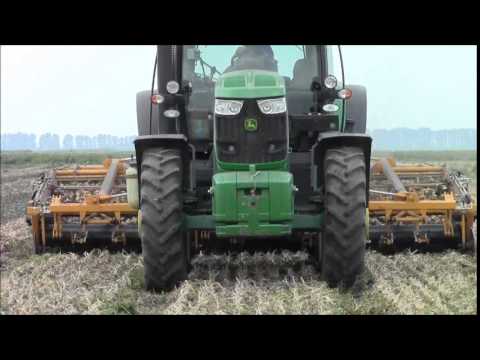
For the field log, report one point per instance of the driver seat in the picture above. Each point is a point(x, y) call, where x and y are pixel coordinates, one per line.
point(299, 95)
point(303, 73)
point(247, 59)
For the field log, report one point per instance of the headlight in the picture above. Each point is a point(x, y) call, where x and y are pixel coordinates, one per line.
point(345, 94)
point(272, 106)
point(330, 108)
point(171, 113)
point(330, 82)
point(173, 87)
point(228, 107)
point(157, 99)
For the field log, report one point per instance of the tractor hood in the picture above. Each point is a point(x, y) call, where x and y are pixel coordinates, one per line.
point(250, 84)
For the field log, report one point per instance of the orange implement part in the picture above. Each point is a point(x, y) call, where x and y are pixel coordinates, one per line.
point(87, 192)
point(407, 168)
point(420, 169)
point(101, 171)
point(34, 212)
point(79, 177)
point(69, 209)
point(96, 170)
point(448, 203)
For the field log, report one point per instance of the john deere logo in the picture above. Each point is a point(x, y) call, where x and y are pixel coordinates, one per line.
point(251, 125)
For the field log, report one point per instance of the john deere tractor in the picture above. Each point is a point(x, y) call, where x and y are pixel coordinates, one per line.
point(242, 146)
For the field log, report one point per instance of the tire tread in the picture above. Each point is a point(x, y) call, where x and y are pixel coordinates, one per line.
point(344, 240)
point(163, 247)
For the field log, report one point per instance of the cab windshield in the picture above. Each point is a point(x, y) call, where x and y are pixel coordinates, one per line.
point(294, 62)
point(298, 64)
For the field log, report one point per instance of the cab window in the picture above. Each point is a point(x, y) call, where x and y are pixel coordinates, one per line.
point(334, 65)
point(298, 64)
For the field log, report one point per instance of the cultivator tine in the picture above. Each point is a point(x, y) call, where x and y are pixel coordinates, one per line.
point(81, 236)
point(387, 238)
point(421, 237)
point(118, 236)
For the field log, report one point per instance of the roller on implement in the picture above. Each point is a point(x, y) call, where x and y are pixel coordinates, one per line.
point(259, 147)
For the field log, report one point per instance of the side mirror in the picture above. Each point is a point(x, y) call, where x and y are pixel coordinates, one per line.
point(187, 87)
point(316, 84)
point(193, 54)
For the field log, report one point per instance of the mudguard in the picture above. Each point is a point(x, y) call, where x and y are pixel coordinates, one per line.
point(177, 141)
point(173, 141)
point(328, 140)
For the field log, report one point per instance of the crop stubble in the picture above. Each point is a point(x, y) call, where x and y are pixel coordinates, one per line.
point(273, 283)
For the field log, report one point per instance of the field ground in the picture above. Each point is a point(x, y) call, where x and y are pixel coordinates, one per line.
point(100, 282)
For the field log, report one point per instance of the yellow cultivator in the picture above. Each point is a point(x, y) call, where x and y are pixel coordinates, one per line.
point(423, 203)
point(83, 203)
point(409, 204)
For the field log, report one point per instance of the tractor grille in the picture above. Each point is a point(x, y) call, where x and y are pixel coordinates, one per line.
point(267, 143)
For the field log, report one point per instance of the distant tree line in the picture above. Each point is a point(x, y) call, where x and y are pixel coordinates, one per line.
point(48, 141)
point(395, 139)
point(424, 139)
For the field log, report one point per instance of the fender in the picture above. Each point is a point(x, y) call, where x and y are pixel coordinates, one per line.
point(328, 140)
point(172, 141)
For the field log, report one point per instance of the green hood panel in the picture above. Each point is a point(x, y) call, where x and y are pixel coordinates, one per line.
point(250, 84)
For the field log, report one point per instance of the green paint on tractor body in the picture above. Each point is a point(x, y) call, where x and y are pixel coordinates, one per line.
point(252, 200)
point(250, 84)
point(253, 203)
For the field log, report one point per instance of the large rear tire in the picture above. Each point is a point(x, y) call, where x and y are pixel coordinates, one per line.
point(163, 244)
point(144, 103)
point(344, 239)
point(357, 110)
point(474, 235)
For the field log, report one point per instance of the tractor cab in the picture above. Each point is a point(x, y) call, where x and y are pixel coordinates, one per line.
point(230, 75)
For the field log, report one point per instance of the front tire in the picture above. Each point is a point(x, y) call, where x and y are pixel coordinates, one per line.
point(343, 244)
point(163, 243)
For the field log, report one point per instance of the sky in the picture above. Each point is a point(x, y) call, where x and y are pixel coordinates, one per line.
point(91, 89)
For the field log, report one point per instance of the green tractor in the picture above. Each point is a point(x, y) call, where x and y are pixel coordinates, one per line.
point(251, 145)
